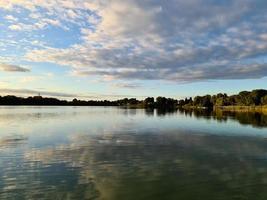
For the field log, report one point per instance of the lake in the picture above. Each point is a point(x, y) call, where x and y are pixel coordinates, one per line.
point(110, 153)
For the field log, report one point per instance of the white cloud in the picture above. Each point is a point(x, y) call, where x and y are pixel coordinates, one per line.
point(175, 40)
point(15, 27)
point(11, 18)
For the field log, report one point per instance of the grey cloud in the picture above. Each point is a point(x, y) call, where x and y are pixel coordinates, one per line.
point(203, 72)
point(176, 40)
point(12, 68)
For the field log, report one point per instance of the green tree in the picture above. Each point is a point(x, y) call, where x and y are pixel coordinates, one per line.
point(264, 100)
point(149, 102)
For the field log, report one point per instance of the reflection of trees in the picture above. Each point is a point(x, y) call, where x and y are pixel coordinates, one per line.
point(165, 166)
point(249, 118)
point(163, 112)
point(246, 118)
point(149, 112)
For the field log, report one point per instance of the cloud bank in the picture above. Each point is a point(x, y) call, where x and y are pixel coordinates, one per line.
point(12, 68)
point(174, 40)
point(30, 92)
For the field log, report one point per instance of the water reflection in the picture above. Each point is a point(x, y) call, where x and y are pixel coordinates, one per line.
point(111, 154)
point(168, 166)
point(41, 113)
point(255, 119)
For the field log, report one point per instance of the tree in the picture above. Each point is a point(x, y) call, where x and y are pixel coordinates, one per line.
point(165, 103)
point(133, 101)
point(204, 101)
point(256, 96)
point(264, 100)
point(149, 102)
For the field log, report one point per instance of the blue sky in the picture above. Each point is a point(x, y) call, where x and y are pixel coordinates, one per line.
point(110, 49)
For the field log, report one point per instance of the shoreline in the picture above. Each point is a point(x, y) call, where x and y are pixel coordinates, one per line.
point(257, 109)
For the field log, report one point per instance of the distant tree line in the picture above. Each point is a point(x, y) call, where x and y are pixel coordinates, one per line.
point(160, 102)
point(39, 100)
point(244, 98)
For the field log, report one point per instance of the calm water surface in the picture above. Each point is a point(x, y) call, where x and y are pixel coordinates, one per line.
point(118, 154)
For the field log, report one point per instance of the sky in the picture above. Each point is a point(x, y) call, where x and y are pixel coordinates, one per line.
point(111, 49)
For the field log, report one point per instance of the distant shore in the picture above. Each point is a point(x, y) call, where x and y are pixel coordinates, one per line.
point(261, 109)
point(244, 101)
point(258, 109)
